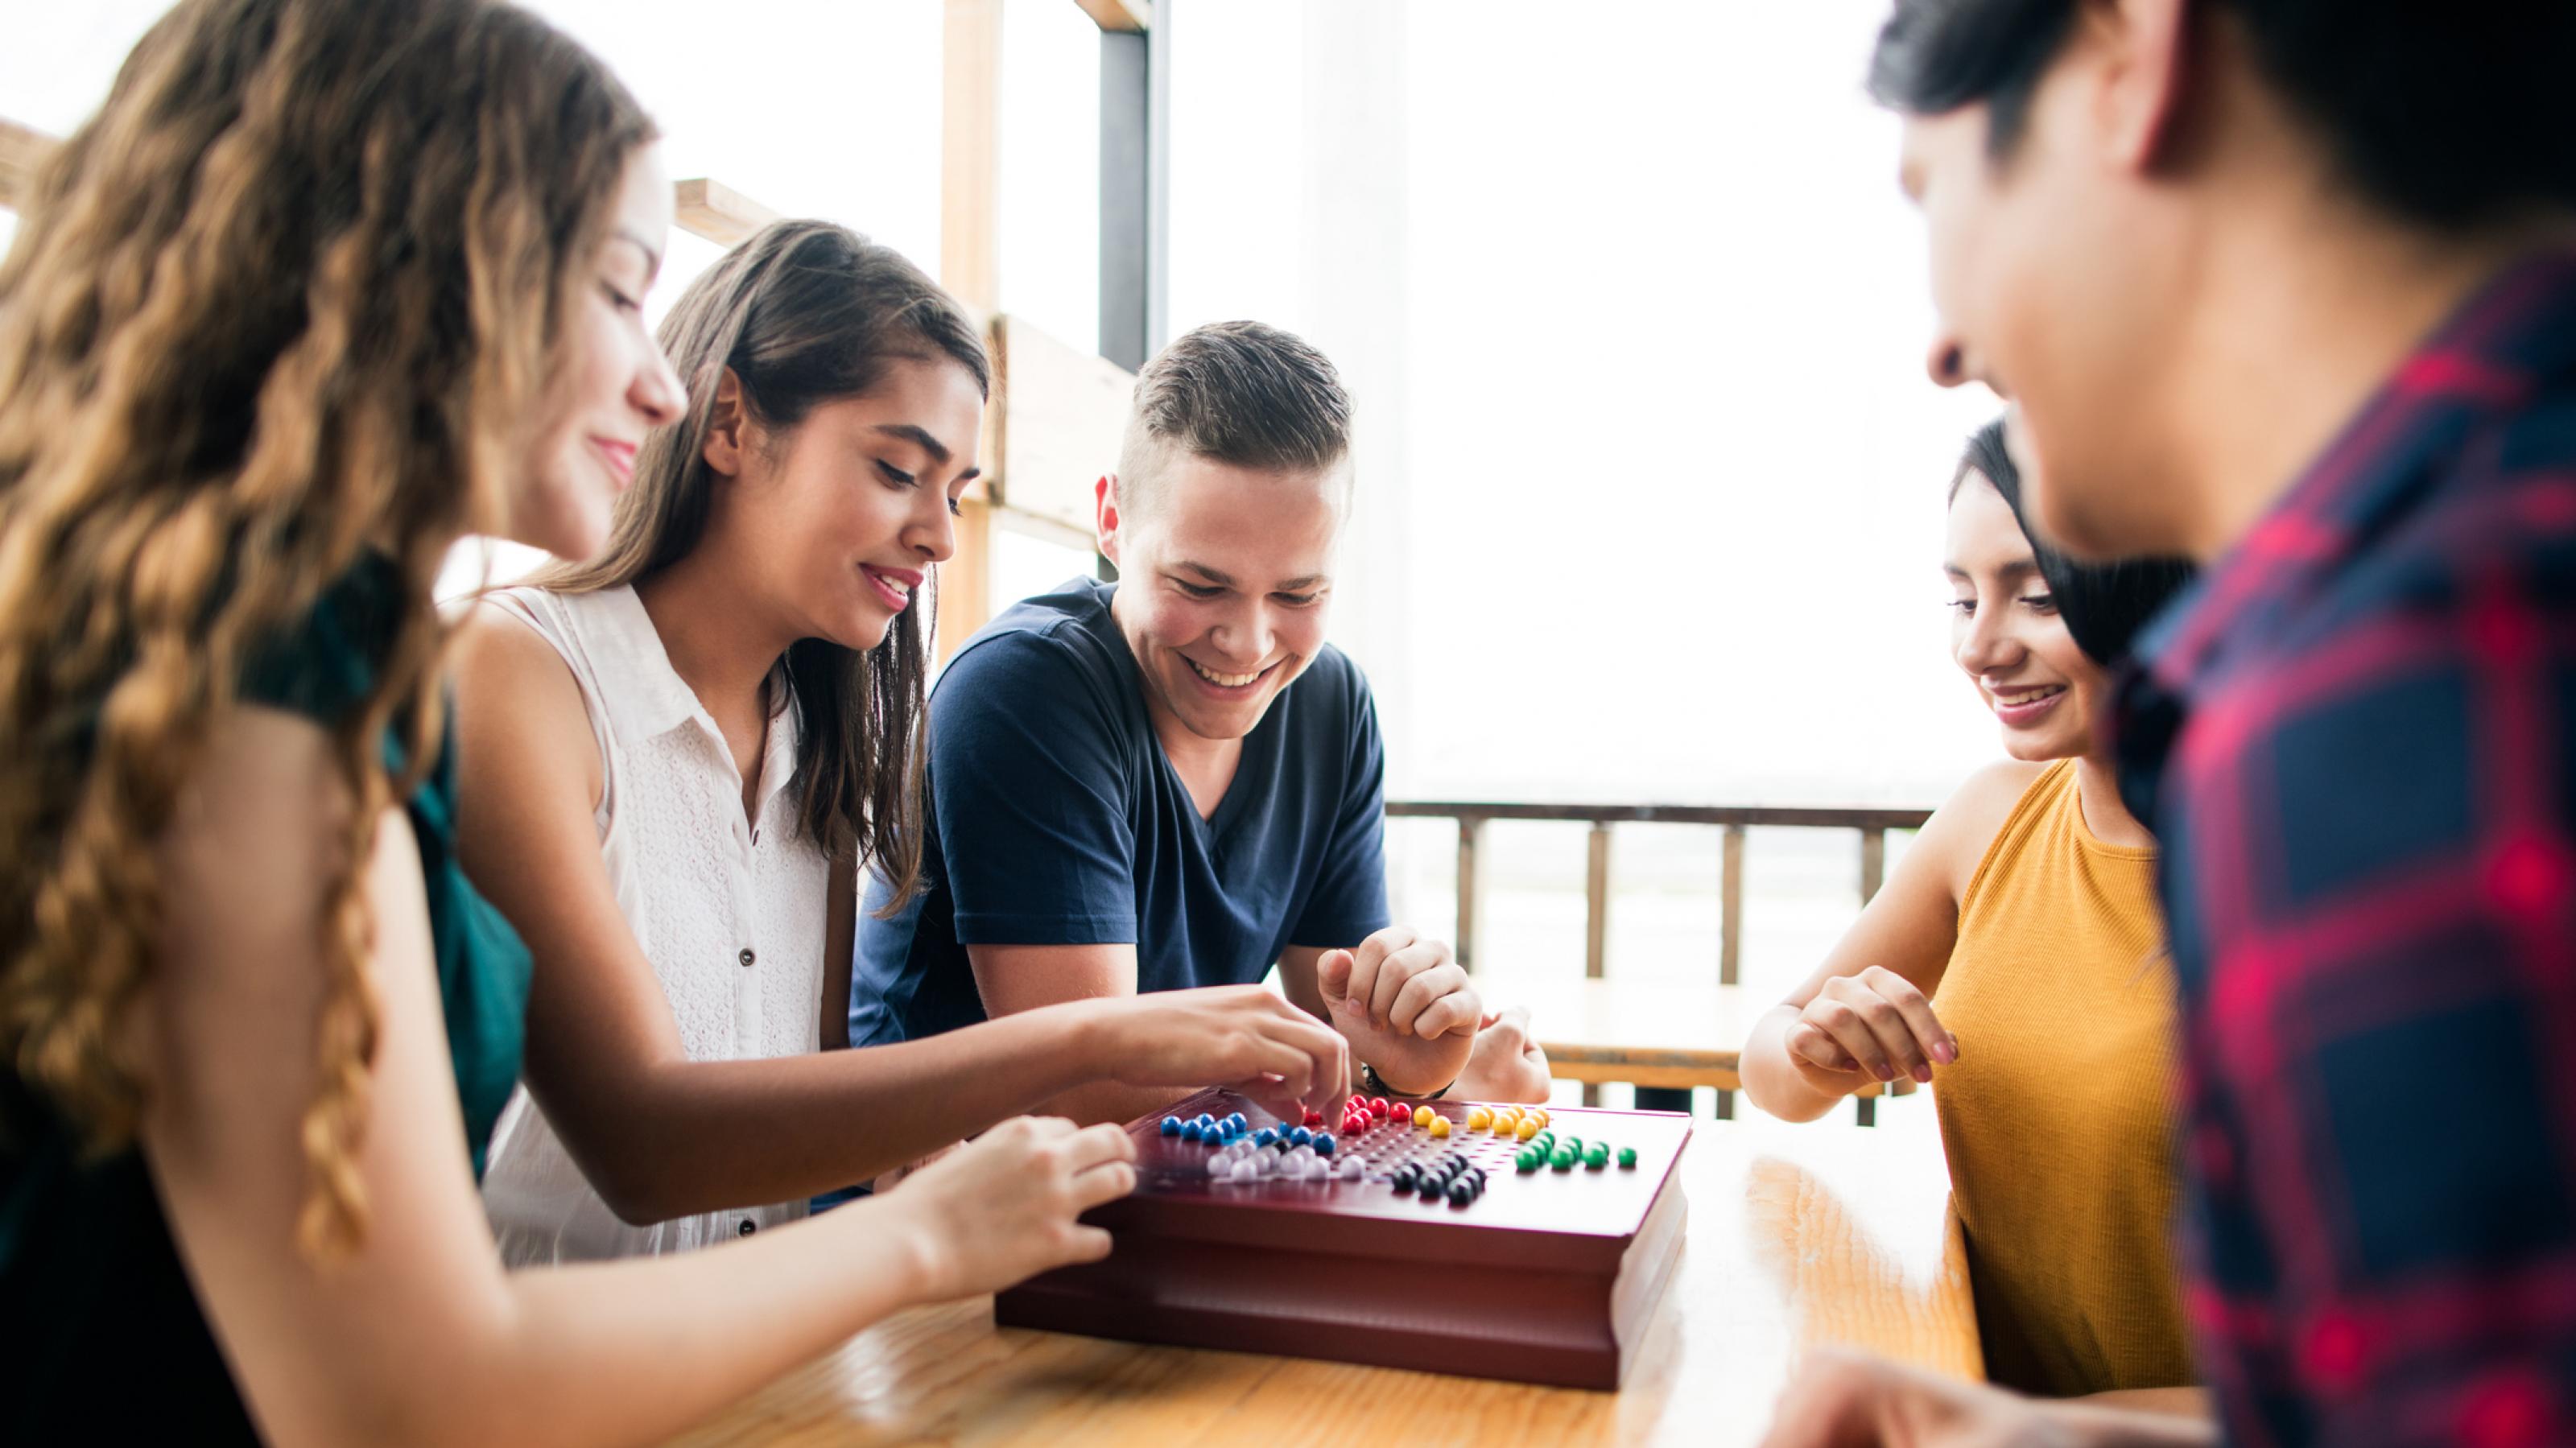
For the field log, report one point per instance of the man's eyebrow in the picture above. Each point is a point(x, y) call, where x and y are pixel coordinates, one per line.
point(920, 437)
point(1297, 585)
point(1210, 574)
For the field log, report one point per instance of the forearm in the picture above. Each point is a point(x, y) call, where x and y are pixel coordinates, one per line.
point(700, 1136)
point(1777, 1082)
point(630, 1352)
point(2181, 1402)
point(1112, 1101)
point(2092, 1423)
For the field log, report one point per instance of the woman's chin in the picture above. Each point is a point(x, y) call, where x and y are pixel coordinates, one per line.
point(2042, 748)
point(861, 633)
point(571, 528)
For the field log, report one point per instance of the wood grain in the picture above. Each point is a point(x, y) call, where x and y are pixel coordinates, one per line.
point(1126, 15)
point(1062, 414)
point(1799, 1236)
point(716, 211)
point(22, 150)
point(970, 139)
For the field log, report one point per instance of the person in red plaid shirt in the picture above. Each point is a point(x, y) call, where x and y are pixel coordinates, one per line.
point(2290, 286)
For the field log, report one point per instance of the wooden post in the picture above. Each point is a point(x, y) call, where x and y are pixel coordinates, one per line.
point(970, 145)
point(1873, 863)
point(1730, 931)
point(1469, 827)
point(1596, 913)
point(970, 251)
point(1730, 907)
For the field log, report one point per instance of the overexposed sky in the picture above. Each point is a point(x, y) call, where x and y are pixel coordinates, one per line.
point(1651, 477)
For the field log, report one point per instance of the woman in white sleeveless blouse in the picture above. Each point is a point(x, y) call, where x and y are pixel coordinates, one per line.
point(675, 760)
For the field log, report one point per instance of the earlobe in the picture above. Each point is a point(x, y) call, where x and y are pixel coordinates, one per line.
point(2151, 80)
point(1104, 496)
point(724, 443)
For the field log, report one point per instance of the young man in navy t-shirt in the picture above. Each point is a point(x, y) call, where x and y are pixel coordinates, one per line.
point(1173, 780)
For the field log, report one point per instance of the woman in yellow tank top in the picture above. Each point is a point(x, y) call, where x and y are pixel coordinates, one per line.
point(2014, 961)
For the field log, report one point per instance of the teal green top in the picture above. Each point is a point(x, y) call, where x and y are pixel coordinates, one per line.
point(100, 1337)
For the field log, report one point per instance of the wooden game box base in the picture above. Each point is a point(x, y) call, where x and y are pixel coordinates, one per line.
point(1547, 1278)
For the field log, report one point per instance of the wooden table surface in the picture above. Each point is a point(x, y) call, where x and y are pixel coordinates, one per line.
point(1798, 1235)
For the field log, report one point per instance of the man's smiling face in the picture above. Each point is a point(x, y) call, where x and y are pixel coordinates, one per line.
point(1225, 580)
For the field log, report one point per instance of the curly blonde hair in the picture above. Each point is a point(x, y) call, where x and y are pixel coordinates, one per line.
point(290, 298)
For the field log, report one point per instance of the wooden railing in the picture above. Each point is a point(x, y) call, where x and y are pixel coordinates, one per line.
point(1872, 825)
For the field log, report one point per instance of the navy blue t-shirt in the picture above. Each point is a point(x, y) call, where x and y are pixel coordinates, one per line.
point(1056, 819)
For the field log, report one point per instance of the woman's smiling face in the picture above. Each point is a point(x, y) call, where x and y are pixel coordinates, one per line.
point(2007, 636)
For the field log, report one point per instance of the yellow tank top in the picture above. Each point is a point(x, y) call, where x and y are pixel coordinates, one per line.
point(2058, 1116)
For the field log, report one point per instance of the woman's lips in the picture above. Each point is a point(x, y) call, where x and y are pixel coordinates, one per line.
point(2019, 708)
point(893, 585)
point(620, 457)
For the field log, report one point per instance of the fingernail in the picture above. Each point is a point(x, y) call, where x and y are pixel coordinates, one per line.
point(1883, 1073)
point(1923, 1075)
point(1944, 1053)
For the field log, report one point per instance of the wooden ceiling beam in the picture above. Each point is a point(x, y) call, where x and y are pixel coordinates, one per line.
point(717, 212)
point(22, 150)
point(1122, 15)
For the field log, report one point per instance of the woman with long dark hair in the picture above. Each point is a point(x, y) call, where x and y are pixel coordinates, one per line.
point(678, 758)
point(2016, 955)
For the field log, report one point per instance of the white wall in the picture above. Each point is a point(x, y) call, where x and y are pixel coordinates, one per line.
point(1651, 482)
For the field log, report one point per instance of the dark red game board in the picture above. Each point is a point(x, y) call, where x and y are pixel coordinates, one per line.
point(1545, 1278)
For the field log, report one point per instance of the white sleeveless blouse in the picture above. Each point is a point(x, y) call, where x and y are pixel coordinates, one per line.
point(731, 916)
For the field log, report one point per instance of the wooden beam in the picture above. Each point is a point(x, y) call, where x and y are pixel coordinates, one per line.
point(1048, 530)
point(717, 212)
point(970, 249)
point(1758, 815)
point(970, 144)
point(1121, 15)
point(22, 150)
point(966, 580)
point(1873, 863)
point(1062, 413)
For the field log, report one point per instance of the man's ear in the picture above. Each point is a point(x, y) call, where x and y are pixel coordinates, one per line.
point(727, 423)
point(1104, 500)
point(2148, 51)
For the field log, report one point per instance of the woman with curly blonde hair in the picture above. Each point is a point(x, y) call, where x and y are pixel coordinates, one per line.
point(325, 285)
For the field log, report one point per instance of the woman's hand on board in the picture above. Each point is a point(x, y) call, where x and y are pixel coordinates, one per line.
point(1005, 1206)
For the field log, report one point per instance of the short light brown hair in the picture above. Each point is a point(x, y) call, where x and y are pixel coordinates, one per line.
point(1240, 393)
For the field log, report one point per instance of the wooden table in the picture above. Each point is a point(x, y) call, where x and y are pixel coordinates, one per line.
point(1798, 1236)
point(1647, 1032)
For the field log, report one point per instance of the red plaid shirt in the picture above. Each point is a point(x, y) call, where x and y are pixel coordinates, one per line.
point(2356, 742)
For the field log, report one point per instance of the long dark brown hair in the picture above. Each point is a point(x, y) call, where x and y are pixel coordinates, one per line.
point(289, 298)
point(804, 313)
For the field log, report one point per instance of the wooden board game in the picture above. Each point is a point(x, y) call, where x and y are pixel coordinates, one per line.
point(1540, 1276)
